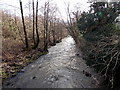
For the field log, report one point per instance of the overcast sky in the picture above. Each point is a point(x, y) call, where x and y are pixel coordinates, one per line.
point(8, 4)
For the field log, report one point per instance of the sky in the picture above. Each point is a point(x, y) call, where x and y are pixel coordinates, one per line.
point(13, 5)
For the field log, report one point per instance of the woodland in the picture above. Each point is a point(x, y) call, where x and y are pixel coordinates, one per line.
point(96, 33)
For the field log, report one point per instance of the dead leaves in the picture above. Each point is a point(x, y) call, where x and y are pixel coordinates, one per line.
point(13, 64)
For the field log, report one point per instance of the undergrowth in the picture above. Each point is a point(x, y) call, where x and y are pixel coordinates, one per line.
point(103, 55)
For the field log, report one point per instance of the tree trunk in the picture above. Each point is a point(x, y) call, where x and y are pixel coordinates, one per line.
point(53, 31)
point(50, 32)
point(46, 38)
point(60, 33)
point(38, 40)
point(24, 28)
point(44, 31)
point(33, 23)
point(46, 12)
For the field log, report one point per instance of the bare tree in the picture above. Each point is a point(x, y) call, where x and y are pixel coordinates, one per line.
point(38, 40)
point(33, 22)
point(53, 31)
point(46, 17)
point(61, 31)
point(49, 35)
point(72, 24)
point(29, 7)
point(24, 28)
point(52, 20)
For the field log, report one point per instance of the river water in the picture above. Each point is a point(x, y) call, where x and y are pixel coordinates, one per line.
point(62, 67)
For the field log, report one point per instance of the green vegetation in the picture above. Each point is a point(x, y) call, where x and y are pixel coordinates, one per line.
point(102, 40)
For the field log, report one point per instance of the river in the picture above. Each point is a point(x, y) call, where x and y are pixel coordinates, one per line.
point(62, 67)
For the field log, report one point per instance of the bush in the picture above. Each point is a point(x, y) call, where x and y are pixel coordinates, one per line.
point(102, 39)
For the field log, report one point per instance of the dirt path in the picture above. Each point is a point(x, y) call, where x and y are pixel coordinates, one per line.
point(62, 67)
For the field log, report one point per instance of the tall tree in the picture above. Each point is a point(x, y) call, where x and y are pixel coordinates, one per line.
point(53, 23)
point(33, 22)
point(38, 40)
point(46, 17)
point(53, 31)
point(29, 7)
point(24, 28)
point(50, 29)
